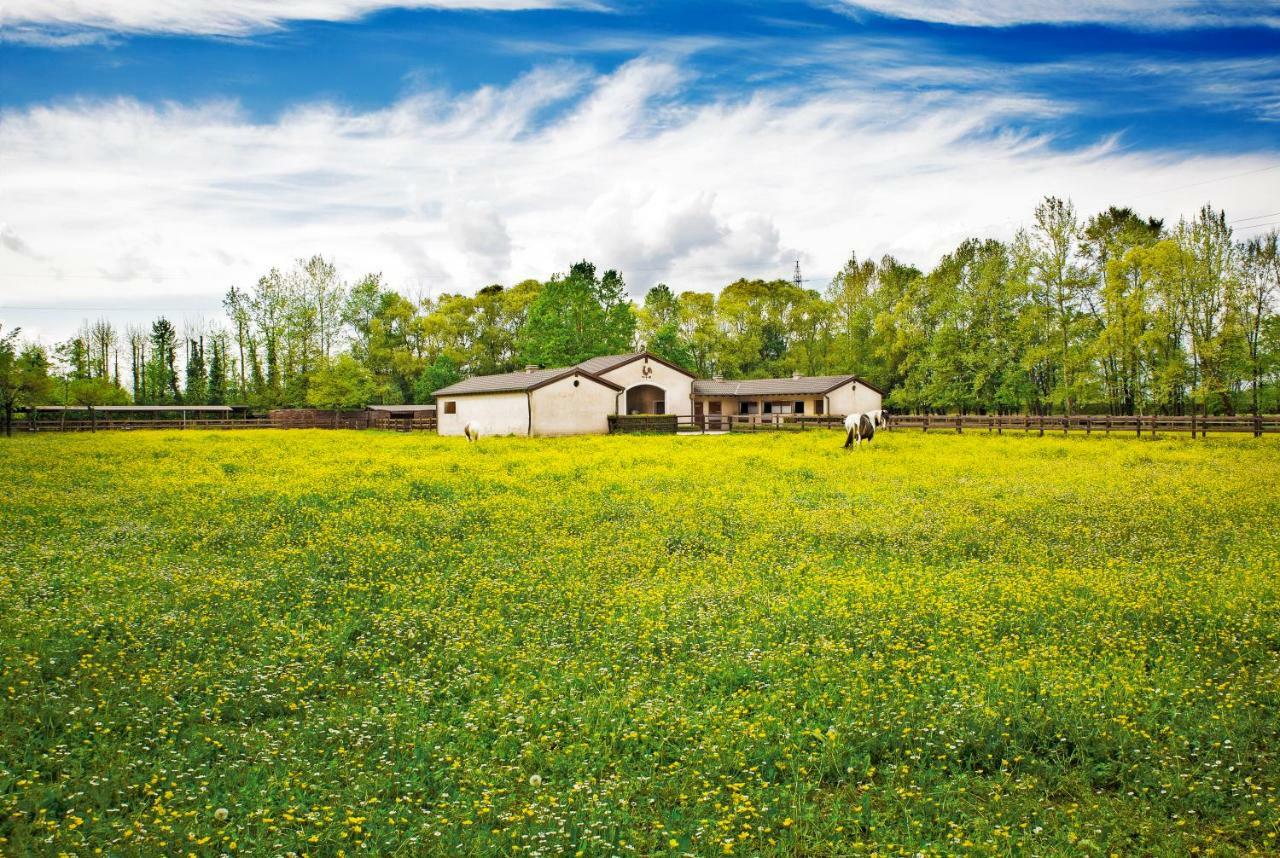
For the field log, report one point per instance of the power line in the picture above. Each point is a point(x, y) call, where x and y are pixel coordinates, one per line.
point(1255, 217)
point(1209, 181)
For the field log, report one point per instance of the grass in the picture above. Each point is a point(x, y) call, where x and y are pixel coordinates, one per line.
point(334, 643)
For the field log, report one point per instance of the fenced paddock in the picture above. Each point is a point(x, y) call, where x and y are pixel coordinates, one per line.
point(55, 418)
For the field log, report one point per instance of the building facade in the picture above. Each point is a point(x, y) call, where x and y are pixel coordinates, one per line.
point(813, 395)
point(579, 400)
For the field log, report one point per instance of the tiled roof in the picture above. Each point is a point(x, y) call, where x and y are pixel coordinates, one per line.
point(604, 363)
point(508, 382)
point(808, 384)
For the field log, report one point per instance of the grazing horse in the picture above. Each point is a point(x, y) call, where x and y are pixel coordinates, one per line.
point(472, 431)
point(862, 427)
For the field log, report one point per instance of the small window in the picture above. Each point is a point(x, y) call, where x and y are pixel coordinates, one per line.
point(798, 406)
point(451, 407)
point(817, 406)
point(576, 382)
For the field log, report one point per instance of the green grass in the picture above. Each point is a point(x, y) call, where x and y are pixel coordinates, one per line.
point(369, 643)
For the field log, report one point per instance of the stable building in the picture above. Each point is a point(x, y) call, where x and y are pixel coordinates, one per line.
point(576, 400)
point(816, 395)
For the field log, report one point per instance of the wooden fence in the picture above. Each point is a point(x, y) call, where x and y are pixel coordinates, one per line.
point(1149, 425)
point(281, 418)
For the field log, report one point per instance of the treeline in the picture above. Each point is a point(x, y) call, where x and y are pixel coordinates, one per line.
point(1114, 313)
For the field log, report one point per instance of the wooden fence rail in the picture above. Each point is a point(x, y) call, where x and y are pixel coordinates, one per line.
point(293, 418)
point(1150, 425)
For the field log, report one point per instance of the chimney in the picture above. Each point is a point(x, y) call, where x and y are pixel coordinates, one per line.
point(531, 367)
point(795, 374)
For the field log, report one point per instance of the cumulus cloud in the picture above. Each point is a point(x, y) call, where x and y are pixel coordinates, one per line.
point(450, 193)
point(49, 21)
point(1144, 14)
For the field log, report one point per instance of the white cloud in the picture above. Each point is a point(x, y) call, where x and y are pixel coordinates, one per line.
point(169, 206)
point(1142, 14)
point(27, 20)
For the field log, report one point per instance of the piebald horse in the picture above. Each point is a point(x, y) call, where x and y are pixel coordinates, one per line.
point(472, 431)
point(862, 427)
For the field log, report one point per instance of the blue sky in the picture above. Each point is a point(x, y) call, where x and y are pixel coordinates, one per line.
point(152, 154)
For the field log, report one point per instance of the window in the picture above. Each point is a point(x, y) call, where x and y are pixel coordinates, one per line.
point(747, 408)
point(798, 407)
point(713, 408)
point(451, 407)
point(777, 408)
point(817, 406)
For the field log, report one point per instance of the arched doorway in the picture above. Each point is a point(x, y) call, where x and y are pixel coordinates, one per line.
point(646, 399)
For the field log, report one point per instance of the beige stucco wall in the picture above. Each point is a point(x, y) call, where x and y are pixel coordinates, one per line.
point(494, 413)
point(677, 385)
point(854, 398)
point(560, 408)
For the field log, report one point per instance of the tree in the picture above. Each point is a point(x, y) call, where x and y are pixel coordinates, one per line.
point(217, 385)
point(1060, 282)
point(197, 386)
point(24, 377)
point(238, 309)
point(162, 371)
point(438, 374)
point(1260, 289)
point(658, 323)
point(576, 317)
point(341, 384)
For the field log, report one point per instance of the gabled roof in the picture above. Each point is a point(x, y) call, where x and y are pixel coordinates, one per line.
point(608, 363)
point(518, 382)
point(804, 385)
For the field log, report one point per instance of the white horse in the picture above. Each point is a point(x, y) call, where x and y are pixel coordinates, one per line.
point(862, 427)
point(472, 431)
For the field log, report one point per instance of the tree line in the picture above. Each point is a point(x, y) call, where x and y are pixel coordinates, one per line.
point(1114, 313)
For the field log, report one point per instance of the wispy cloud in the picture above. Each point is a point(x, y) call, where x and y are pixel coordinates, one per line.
point(1140, 14)
point(62, 22)
point(450, 193)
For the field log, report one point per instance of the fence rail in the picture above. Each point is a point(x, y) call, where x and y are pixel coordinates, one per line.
point(304, 418)
point(1150, 425)
point(284, 418)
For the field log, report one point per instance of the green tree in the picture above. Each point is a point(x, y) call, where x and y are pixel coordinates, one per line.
point(162, 371)
point(659, 326)
point(1060, 284)
point(438, 374)
point(1258, 293)
point(196, 390)
point(341, 384)
point(24, 377)
point(576, 317)
point(217, 385)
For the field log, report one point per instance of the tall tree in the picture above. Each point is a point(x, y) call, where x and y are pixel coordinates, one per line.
point(1259, 292)
point(1061, 283)
point(576, 317)
point(196, 390)
point(162, 370)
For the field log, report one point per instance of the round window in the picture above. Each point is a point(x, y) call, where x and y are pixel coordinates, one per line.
point(576, 382)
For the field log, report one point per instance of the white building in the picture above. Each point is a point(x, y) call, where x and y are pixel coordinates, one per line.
point(574, 400)
point(579, 400)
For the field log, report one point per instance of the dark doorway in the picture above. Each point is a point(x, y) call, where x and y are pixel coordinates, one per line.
point(646, 399)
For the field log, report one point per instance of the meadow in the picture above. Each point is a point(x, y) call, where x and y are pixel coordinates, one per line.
point(344, 643)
